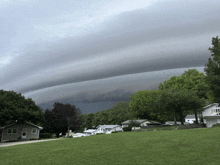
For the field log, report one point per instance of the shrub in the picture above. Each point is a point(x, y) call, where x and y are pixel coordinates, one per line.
point(19, 138)
point(201, 119)
point(100, 133)
point(114, 132)
point(11, 140)
point(133, 124)
point(45, 135)
point(126, 129)
point(190, 126)
point(32, 139)
point(216, 125)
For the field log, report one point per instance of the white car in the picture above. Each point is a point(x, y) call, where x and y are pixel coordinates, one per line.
point(79, 135)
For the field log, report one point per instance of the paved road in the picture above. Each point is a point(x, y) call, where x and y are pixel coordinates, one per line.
point(24, 142)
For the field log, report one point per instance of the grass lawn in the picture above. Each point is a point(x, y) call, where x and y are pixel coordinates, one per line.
point(191, 146)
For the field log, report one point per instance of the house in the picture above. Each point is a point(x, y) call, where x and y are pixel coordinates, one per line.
point(17, 131)
point(172, 123)
point(142, 122)
point(90, 132)
point(191, 118)
point(211, 114)
point(107, 129)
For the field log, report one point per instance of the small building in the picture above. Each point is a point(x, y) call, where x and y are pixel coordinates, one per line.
point(107, 129)
point(191, 118)
point(17, 131)
point(211, 114)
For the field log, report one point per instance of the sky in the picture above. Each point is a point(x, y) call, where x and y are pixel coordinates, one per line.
point(96, 53)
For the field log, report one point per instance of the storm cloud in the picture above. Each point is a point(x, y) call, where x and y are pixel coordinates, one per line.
point(88, 52)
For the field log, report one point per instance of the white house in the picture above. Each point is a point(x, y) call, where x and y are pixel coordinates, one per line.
point(211, 114)
point(90, 132)
point(191, 118)
point(142, 122)
point(107, 129)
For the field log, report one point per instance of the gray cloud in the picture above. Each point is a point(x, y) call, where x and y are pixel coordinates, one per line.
point(114, 88)
point(161, 37)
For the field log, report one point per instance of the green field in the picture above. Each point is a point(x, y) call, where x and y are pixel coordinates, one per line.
point(194, 146)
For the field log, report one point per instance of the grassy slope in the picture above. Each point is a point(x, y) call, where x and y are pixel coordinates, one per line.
point(195, 146)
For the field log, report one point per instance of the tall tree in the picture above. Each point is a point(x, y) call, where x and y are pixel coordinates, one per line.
point(119, 113)
point(115, 115)
point(178, 103)
point(212, 70)
point(15, 107)
point(62, 118)
point(141, 105)
point(87, 120)
point(191, 80)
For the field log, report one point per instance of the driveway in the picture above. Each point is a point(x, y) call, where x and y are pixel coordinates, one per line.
point(24, 142)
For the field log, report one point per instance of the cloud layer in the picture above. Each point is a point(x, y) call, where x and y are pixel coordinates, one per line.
point(89, 52)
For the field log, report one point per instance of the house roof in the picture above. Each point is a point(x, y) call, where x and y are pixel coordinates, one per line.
point(108, 126)
point(25, 123)
point(192, 116)
point(138, 121)
point(210, 105)
point(141, 121)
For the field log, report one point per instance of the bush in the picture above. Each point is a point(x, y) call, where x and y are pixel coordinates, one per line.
point(133, 124)
point(45, 135)
point(216, 125)
point(100, 133)
point(114, 132)
point(190, 126)
point(126, 129)
point(33, 139)
point(11, 140)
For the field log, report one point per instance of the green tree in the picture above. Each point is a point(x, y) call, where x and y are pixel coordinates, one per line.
point(119, 113)
point(88, 120)
point(62, 118)
point(115, 115)
point(191, 80)
point(141, 105)
point(15, 107)
point(177, 103)
point(212, 70)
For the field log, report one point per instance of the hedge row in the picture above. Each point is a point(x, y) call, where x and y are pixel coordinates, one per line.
point(190, 126)
point(45, 135)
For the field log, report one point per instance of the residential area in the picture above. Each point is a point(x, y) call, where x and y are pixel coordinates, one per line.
point(109, 82)
point(28, 131)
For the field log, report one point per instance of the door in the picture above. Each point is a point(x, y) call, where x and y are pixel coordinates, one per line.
point(24, 133)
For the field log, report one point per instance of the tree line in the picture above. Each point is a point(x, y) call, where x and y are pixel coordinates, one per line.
point(174, 99)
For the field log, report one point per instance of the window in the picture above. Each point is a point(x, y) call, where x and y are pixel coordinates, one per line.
point(14, 131)
point(34, 131)
point(10, 130)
